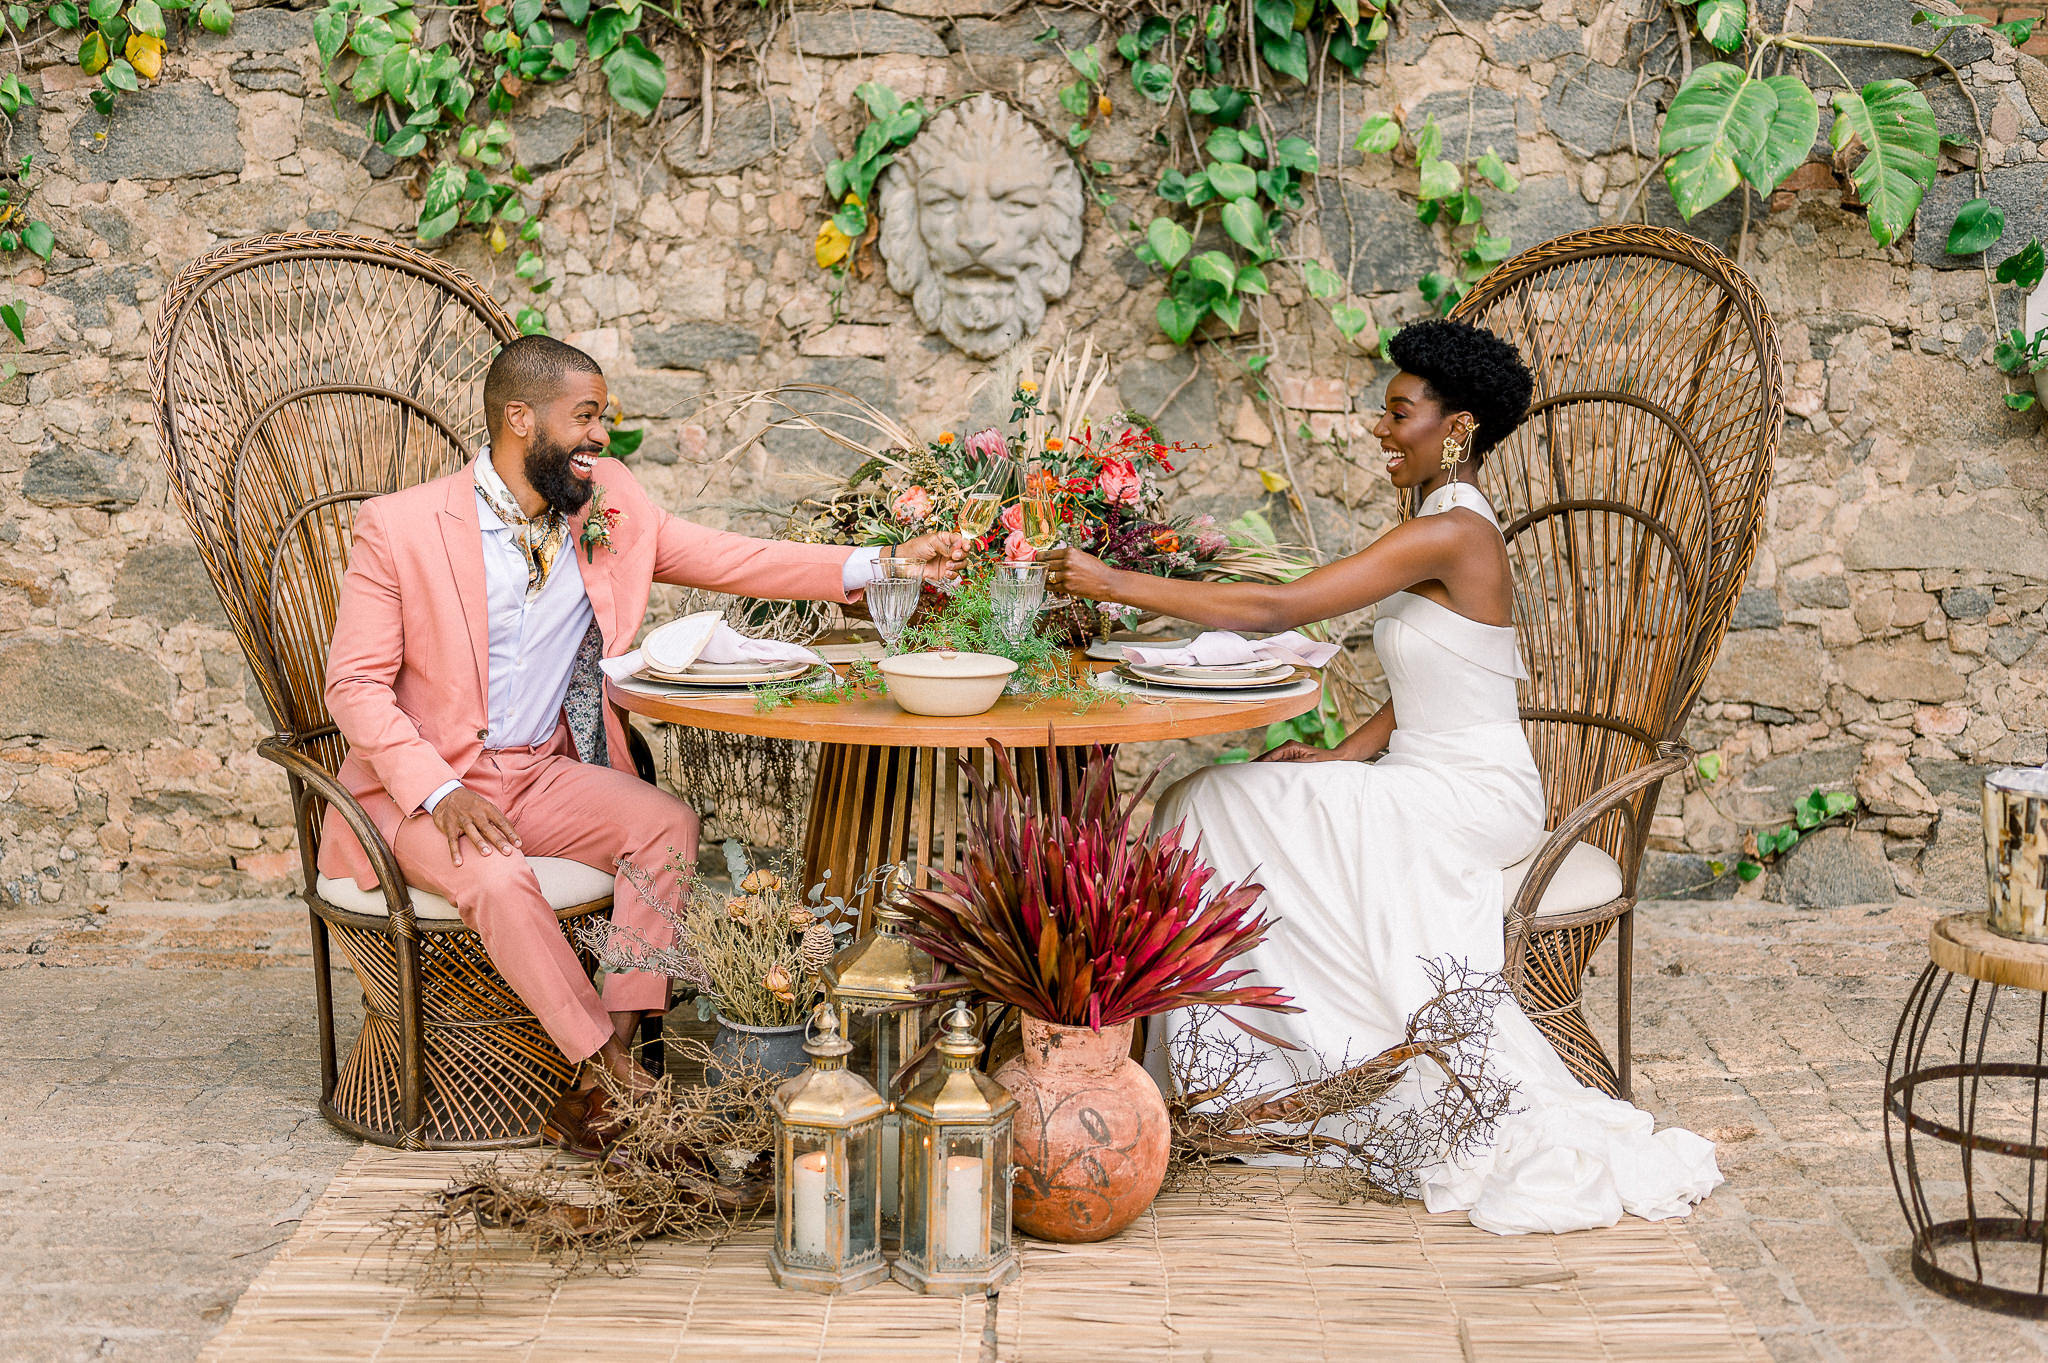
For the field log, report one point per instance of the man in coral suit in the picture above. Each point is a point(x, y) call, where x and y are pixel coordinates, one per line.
point(463, 675)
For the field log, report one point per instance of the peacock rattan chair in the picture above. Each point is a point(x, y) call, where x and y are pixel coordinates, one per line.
point(295, 376)
point(1631, 500)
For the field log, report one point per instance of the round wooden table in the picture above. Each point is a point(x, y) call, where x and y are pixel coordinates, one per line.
point(889, 786)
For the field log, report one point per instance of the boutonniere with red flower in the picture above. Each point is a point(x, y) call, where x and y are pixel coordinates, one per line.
point(598, 526)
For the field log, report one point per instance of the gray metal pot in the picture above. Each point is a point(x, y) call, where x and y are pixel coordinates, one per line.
point(779, 1050)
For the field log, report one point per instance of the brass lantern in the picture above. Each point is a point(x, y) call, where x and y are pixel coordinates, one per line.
point(956, 1174)
point(828, 1168)
point(876, 983)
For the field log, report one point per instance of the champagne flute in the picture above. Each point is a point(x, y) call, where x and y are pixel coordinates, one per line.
point(1041, 516)
point(978, 511)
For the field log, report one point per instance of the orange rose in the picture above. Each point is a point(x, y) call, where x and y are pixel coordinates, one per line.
point(946, 437)
point(1055, 444)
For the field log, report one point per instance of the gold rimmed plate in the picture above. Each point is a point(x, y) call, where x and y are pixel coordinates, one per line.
point(1149, 676)
point(731, 674)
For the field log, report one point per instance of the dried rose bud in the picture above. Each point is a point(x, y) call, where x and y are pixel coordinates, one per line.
point(761, 881)
point(778, 983)
point(737, 908)
point(799, 917)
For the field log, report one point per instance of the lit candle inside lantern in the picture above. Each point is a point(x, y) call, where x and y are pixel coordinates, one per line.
point(808, 1206)
point(963, 1207)
point(892, 1150)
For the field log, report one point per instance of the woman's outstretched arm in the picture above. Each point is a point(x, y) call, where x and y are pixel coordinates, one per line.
point(1418, 551)
point(1362, 744)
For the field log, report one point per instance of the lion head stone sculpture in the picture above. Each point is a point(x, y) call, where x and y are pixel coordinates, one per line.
point(981, 221)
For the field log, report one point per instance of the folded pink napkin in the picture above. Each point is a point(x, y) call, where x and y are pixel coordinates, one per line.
point(1221, 648)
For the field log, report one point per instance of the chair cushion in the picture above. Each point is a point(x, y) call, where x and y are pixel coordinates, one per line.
point(1588, 879)
point(566, 884)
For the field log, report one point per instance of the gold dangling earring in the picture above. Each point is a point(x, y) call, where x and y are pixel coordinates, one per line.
point(1454, 452)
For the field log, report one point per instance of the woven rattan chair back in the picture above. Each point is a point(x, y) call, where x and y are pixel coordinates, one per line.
point(1632, 496)
point(296, 376)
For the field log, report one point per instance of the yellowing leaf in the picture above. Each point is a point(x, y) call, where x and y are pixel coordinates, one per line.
point(499, 241)
point(1103, 106)
point(145, 54)
point(1273, 482)
point(832, 245)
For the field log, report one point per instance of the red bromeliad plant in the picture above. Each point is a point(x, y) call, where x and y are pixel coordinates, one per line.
point(1068, 915)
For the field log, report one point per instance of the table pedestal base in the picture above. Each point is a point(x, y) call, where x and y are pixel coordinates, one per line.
point(873, 807)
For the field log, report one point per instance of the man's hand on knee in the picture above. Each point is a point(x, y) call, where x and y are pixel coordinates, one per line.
point(463, 813)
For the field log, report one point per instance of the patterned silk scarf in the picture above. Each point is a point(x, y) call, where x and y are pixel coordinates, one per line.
point(540, 538)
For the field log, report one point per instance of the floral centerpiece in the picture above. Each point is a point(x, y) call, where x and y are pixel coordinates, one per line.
point(1063, 911)
point(1106, 479)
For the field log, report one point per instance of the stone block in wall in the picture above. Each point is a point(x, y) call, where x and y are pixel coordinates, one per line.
point(1966, 603)
point(68, 476)
point(1831, 867)
point(543, 139)
point(1757, 608)
point(1018, 37)
point(948, 9)
point(2021, 191)
point(319, 131)
point(273, 29)
point(800, 450)
point(89, 291)
point(1544, 207)
point(1775, 668)
point(250, 206)
point(1900, 670)
point(1766, 793)
point(1992, 533)
point(1149, 386)
point(863, 33)
point(1478, 117)
point(164, 132)
point(1537, 42)
point(83, 691)
point(1886, 23)
point(741, 134)
point(1373, 237)
point(269, 71)
point(692, 345)
point(1589, 108)
point(1681, 875)
point(167, 583)
point(1482, 10)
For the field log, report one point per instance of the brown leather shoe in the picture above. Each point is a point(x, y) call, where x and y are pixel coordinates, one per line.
point(582, 1122)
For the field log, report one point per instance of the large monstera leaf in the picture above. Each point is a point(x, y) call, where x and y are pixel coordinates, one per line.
point(1896, 126)
point(1718, 120)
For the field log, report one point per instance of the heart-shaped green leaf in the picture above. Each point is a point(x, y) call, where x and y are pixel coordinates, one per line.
point(1895, 124)
point(634, 76)
point(1322, 282)
point(1216, 268)
point(1718, 115)
point(1246, 224)
point(1723, 23)
point(1169, 241)
point(1788, 136)
point(1978, 225)
point(1378, 134)
point(2024, 267)
point(1179, 318)
point(1233, 181)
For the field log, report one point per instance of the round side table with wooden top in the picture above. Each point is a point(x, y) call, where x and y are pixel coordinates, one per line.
point(889, 786)
point(1964, 1117)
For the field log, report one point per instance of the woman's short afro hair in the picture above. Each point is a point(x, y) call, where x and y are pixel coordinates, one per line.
point(1468, 369)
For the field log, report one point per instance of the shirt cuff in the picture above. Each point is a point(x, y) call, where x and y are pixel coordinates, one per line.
point(440, 794)
point(859, 569)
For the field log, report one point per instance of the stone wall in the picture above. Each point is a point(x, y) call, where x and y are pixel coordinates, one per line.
point(1890, 638)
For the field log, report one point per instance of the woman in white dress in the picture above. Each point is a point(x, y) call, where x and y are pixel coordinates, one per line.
point(1386, 852)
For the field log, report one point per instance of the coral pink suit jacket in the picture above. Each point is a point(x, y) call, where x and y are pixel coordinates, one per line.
point(408, 671)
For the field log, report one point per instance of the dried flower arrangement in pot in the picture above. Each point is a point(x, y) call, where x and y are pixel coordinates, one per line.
point(754, 954)
point(1085, 926)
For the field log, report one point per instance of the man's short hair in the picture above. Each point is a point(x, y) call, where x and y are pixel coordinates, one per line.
point(530, 370)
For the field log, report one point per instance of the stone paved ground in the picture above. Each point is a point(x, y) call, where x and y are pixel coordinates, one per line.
point(157, 1144)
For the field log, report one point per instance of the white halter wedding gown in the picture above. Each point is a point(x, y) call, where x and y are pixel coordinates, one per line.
point(1371, 869)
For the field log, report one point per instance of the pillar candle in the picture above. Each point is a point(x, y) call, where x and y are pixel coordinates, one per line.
point(807, 1204)
point(892, 1146)
point(963, 1207)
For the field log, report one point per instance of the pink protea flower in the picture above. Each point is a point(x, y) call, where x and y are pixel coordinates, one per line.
point(912, 505)
point(1210, 543)
point(988, 444)
point(1119, 482)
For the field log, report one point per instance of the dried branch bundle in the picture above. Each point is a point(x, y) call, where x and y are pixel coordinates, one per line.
point(1331, 1117)
point(693, 1162)
point(1068, 915)
point(758, 952)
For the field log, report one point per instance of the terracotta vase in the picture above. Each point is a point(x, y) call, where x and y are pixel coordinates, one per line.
point(1091, 1132)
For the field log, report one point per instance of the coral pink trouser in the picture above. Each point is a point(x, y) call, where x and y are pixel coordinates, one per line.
point(561, 807)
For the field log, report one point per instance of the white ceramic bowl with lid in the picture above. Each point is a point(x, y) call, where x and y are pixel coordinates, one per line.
point(946, 684)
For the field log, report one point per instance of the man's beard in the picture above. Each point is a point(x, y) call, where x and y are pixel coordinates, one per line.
point(547, 469)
